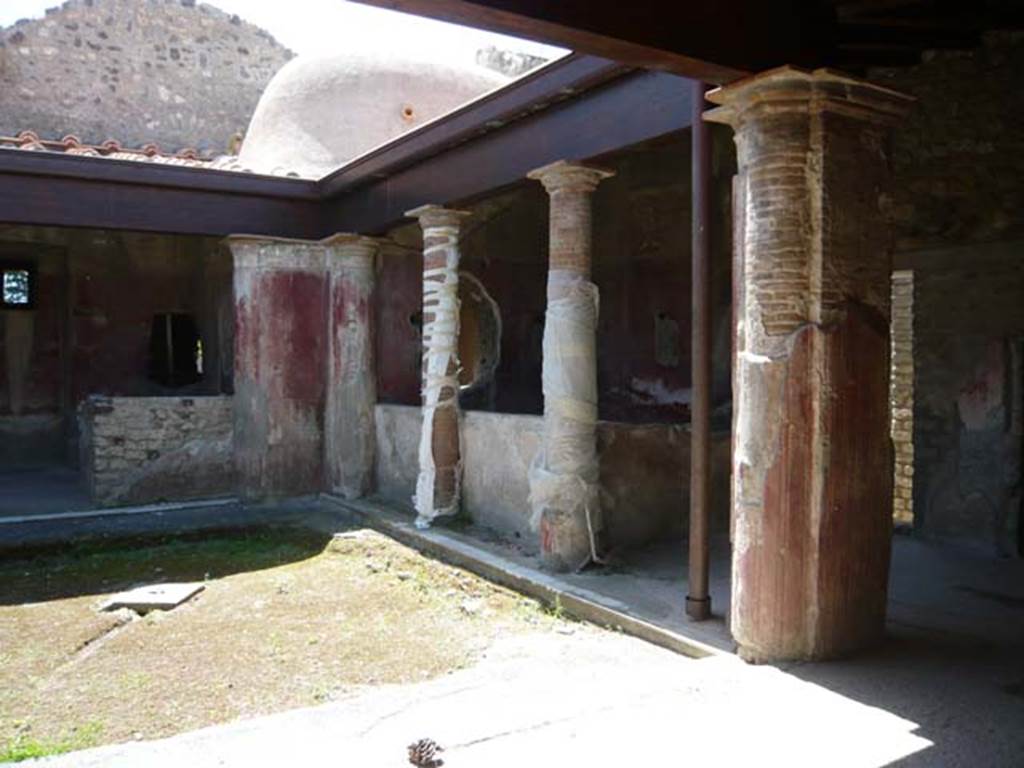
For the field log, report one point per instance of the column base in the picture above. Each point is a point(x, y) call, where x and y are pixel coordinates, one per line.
point(564, 540)
point(854, 647)
point(698, 609)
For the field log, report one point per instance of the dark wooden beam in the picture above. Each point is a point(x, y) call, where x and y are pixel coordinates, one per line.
point(153, 174)
point(630, 109)
point(568, 78)
point(576, 109)
point(713, 41)
point(46, 189)
point(895, 35)
point(852, 10)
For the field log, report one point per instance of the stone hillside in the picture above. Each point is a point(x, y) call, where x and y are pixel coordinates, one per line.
point(169, 71)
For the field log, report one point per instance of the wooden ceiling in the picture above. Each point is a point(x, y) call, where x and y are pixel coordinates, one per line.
point(720, 40)
point(896, 32)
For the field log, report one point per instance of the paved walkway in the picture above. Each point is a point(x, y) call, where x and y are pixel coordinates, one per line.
point(590, 698)
point(41, 491)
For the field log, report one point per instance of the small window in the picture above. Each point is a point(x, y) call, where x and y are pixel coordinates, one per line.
point(175, 350)
point(18, 283)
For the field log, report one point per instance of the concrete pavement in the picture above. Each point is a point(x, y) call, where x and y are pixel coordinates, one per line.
point(593, 698)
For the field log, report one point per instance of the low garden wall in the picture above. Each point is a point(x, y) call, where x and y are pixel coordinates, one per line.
point(137, 450)
point(645, 472)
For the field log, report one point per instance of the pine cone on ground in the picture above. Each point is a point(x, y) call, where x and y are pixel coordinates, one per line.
point(423, 754)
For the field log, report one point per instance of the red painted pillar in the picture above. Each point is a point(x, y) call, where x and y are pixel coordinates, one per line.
point(349, 426)
point(280, 353)
point(812, 459)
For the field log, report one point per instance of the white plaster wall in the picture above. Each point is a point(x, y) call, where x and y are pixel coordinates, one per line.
point(644, 473)
point(497, 449)
point(395, 465)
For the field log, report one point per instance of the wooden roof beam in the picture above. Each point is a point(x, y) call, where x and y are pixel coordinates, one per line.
point(712, 41)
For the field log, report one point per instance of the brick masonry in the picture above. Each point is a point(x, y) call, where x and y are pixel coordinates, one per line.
point(174, 72)
point(811, 458)
point(901, 395)
point(144, 449)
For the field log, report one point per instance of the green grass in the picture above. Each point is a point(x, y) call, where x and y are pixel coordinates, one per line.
point(556, 610)
point(22, 747)
point(96, 568)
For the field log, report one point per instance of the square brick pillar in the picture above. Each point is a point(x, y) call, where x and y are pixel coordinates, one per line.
point(812, 458)
point(280, 355)
point(351, 397)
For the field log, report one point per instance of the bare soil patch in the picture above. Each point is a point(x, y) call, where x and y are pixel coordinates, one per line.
point(287, 619)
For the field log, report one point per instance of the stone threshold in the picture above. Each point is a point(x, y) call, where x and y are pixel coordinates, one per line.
point(144, 509)
point(468, 553)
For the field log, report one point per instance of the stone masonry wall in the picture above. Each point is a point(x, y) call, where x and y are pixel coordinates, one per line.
point(138, 71)
point(968, 391)
point(958, 158)
point(901, 395)
point(144, 449)
point(958, 192)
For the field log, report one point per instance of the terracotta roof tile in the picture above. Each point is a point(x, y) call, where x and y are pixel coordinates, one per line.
point(113, 150)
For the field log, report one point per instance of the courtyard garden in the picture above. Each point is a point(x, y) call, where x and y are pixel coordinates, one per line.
point(287, 618)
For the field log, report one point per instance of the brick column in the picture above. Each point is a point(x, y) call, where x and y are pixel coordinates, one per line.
point(440, 453)
point(812, 462)
point(279, 365)
point(349, 436)
point(901, 395)
point(564, 476)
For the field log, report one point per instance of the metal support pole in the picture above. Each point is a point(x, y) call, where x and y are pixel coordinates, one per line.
point(698, 601)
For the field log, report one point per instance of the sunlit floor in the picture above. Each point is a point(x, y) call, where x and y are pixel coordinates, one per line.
point(952, 664)
point(578, 697)
point(953, 661)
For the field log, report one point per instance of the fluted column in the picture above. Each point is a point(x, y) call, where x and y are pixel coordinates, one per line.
point(564, 477)
point(349, 430)
point(812, 462)
point(440, 452)
point(280, 345)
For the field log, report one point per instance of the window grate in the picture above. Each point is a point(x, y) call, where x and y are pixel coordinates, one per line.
point(17, 283)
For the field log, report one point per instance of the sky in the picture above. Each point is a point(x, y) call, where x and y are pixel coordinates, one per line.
point(326, 26)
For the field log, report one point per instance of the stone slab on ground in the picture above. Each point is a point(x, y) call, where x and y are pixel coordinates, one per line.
point(154, 597)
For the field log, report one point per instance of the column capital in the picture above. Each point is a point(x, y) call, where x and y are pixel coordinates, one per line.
point(794, 90)
point(432, 215)
point(565, 175)
point(276, 253)
point(349, 245)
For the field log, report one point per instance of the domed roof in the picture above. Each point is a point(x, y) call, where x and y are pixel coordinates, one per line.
point(319, 112)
